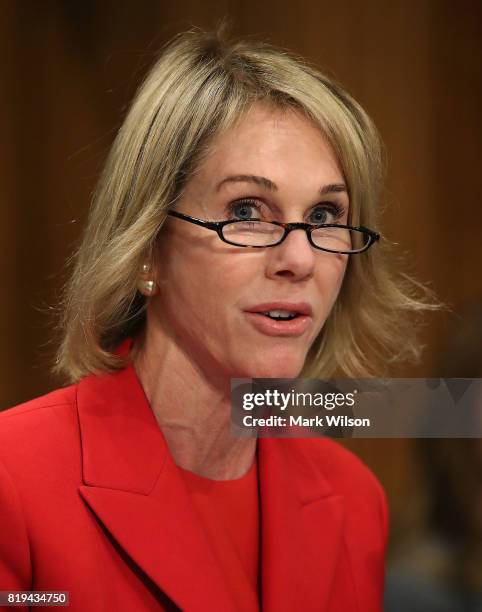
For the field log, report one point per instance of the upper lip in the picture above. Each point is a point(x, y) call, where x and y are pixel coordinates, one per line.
point(301, 308)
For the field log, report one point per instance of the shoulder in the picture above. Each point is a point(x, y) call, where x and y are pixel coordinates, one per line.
point(33, 409)
point(45, 411)
point(340, 465)
point(350, 477)
point(39, 463)
point(40, 429)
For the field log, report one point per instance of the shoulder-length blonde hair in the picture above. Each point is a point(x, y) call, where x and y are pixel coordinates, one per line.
point(200, 86)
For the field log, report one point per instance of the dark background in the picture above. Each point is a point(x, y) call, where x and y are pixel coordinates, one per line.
point(69, 70)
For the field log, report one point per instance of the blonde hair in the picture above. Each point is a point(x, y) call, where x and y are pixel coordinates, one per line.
point(201, 85)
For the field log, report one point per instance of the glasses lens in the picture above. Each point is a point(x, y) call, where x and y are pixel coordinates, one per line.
point(253, 233)
point(340, 239)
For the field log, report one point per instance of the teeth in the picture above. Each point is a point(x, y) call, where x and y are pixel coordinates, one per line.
point(283, 314)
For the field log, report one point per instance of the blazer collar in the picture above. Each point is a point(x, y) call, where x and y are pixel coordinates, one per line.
point(132, 485)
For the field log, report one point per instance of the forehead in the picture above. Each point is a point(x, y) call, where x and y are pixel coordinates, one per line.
point(280, 144)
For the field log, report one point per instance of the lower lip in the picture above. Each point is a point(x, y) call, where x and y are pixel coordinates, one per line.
point(270, 327)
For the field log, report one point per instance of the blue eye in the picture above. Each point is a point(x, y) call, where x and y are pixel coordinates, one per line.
point(327, 213)
point(243, 209)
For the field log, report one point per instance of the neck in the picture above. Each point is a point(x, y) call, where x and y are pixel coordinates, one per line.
point(192, 408)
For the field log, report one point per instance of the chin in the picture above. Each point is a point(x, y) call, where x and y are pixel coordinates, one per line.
point(281, 366)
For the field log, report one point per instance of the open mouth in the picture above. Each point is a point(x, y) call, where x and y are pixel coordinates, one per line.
point(274, 320)
point(280, 315)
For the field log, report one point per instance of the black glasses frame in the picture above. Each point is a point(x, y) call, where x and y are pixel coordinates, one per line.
point(217, 226)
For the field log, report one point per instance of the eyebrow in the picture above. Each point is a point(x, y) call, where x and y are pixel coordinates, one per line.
point(266, 183)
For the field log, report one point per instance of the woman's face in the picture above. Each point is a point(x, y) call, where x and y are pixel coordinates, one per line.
point(209, 289)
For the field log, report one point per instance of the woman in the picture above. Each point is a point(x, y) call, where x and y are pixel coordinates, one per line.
point(127, 489)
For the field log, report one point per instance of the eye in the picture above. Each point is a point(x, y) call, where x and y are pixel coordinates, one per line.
point(244, 209)
point(327, 213)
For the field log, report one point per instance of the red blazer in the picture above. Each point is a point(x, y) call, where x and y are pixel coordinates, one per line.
point(91, 503)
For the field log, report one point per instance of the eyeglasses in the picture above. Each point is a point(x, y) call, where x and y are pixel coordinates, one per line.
point(331, 237)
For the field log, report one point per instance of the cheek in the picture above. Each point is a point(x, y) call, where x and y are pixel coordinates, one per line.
point(330, 275)
point(203, 287)
point(340, 271)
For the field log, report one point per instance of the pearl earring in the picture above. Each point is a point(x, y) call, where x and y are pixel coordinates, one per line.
point(146, 286)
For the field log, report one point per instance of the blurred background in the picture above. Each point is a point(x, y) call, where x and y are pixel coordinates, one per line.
point(69, 70)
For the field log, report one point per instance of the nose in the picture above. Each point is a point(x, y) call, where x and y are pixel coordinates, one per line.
point(294, 258)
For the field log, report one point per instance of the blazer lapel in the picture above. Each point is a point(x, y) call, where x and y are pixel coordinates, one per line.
point(302, 527)
point(132, 486)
